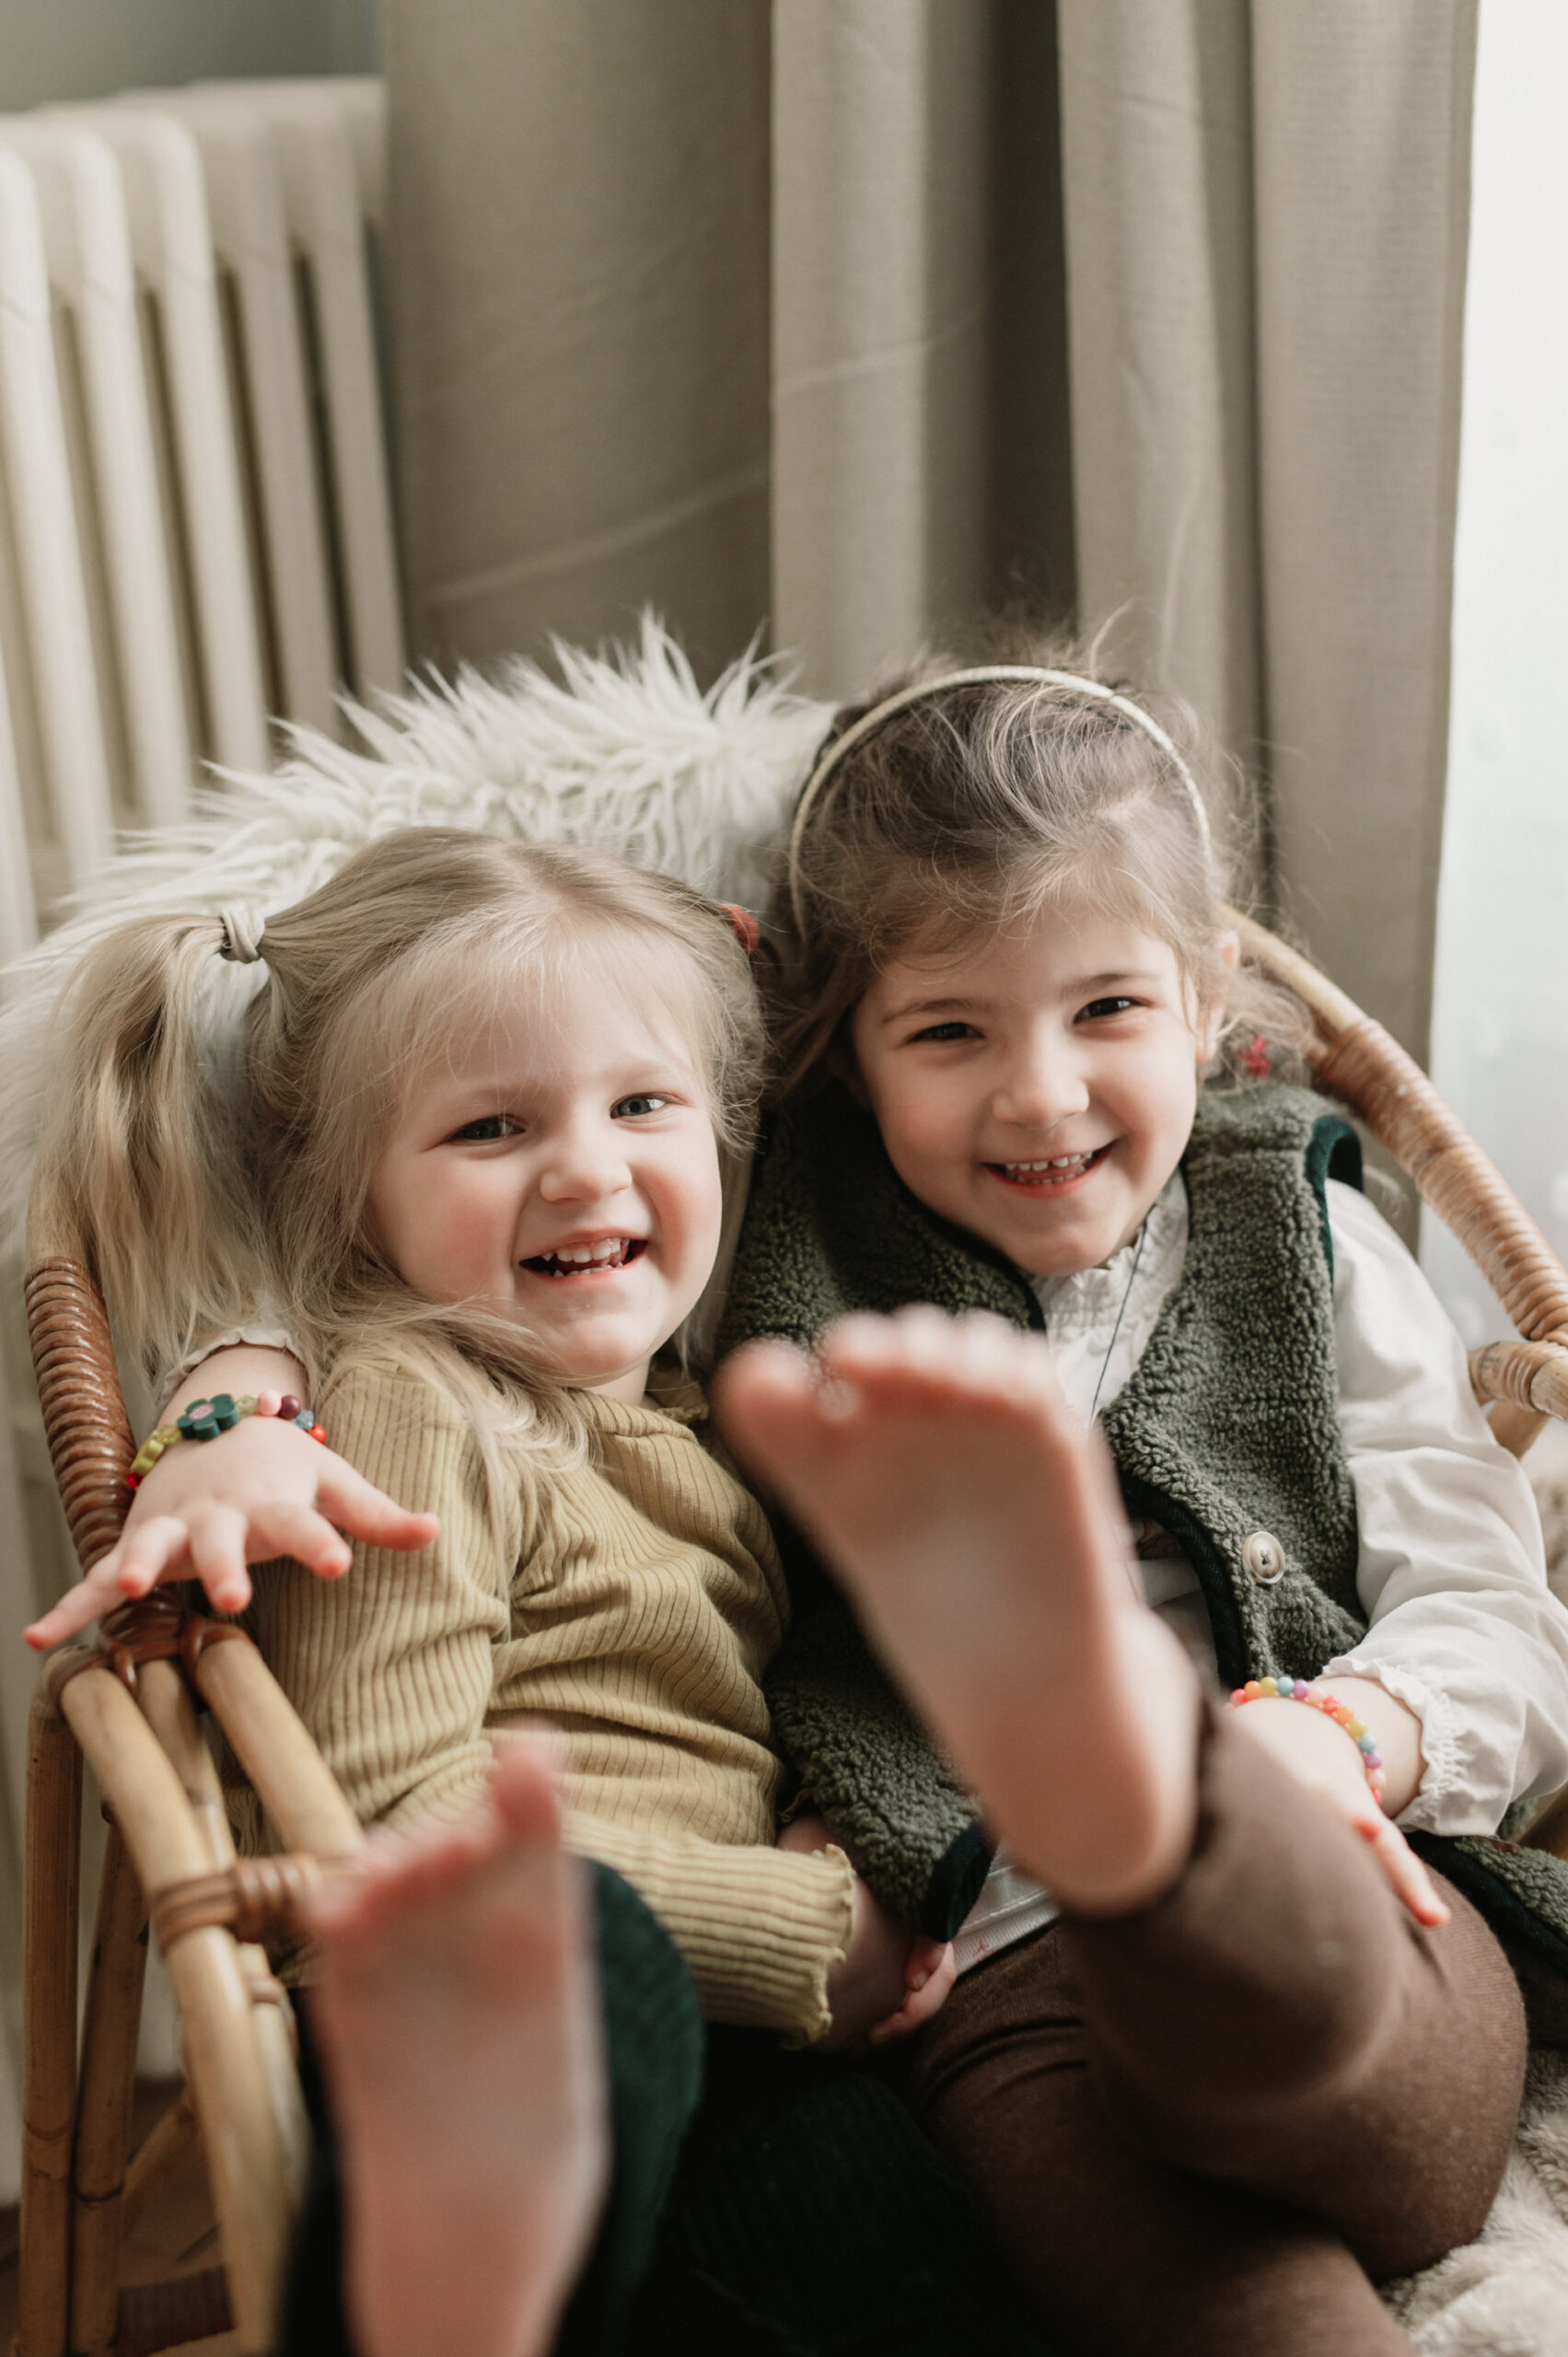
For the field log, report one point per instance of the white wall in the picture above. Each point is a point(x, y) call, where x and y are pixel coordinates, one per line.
point(1500, 1032)
point(85, 49)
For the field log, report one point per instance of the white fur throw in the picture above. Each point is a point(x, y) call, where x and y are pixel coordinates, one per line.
point(628, 754)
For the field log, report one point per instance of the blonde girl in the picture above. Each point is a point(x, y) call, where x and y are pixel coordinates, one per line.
point(489, 1104)
point(1235, 2036)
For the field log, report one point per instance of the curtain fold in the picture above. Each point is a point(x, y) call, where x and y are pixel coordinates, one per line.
point(579, 293)
point(880, 317)
point(1266, 212)
point(921, 470)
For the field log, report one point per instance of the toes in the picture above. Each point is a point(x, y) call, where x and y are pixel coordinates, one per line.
point(769, 1400)
point(395, 1875)
point(522, 1788)
point(923, 1356)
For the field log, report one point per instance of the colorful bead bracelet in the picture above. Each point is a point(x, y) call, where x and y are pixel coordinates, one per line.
point(204, 1418)
point(1318, 1698)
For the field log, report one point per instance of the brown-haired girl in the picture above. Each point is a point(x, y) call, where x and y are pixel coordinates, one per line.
point(1223, 2050)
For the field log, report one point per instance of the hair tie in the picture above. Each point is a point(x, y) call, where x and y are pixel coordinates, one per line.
point(981, 676)
point(743, 924)
point(242, 931)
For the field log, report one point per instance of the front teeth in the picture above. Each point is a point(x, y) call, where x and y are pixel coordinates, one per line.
point(610, 1251)
point(1060, 1162)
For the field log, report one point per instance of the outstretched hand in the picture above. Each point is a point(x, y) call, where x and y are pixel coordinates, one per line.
point(208, 1509)
point(1321, 1756)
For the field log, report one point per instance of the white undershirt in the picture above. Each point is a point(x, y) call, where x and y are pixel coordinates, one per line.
point(1450, 1569)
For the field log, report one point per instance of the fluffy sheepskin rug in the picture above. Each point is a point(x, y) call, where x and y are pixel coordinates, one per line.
point(1506, 2293)
point(625, 752)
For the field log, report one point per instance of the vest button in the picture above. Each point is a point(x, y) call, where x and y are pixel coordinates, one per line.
point(1264, 1558)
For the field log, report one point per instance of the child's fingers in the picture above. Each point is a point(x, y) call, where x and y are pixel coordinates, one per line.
point(1407, 1875)
point(77, 1611)
point(924, 1957)
point(217, 1556)
point(919, 2006)
point(367, 1512)
point(286, 1527)
point(156, 1550)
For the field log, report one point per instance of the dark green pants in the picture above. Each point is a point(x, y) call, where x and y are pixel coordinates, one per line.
point(761, 2203)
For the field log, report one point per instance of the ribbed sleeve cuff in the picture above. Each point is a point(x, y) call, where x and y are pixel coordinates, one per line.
point(759, 1929)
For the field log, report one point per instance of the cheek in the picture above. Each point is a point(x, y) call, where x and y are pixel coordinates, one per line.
point(914, 1114)
point(704, 1215)
point(435, 1229)
point(1169, 1093)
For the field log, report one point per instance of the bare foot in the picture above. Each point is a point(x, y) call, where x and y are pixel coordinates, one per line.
point(937, 1464)
point(458, 2015)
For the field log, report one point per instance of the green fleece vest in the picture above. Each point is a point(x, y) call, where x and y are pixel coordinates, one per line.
point(1227, 1433)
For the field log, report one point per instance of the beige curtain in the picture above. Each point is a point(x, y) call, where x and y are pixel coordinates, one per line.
point(1144, 307)
point(1267, 213)
point(579, 282)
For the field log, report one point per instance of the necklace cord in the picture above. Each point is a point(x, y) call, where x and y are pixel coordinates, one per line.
point(1116, 1330)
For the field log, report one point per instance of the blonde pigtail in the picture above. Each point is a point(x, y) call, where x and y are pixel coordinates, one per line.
point(140, 1143)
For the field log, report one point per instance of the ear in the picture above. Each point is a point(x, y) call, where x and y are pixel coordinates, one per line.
point(844, 1064)
point(1210, 1022)
point(743, 924)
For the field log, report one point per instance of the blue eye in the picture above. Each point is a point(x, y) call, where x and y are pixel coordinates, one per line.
point(489, 1128)
point(629, 1108)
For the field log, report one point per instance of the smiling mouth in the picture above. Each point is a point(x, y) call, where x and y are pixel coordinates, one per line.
point(1059, 1170)
point(588, 1260)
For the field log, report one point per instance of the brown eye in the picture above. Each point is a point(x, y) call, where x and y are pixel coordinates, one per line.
point(1097, 1009)
point(943, 1031)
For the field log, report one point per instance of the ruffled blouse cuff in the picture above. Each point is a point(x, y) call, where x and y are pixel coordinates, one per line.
point(1442, 1774)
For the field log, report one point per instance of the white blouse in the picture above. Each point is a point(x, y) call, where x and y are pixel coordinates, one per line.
point(1451, 1574)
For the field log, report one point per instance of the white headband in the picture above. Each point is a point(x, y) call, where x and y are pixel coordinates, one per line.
point(871, 720)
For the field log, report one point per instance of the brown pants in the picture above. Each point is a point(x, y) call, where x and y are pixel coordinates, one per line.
point(1212, 2126)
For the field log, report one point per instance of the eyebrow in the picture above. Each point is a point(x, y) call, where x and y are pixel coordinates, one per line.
point(902, 1013)
point(1083, 986)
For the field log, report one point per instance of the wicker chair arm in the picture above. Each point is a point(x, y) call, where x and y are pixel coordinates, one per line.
point(1356, 1060)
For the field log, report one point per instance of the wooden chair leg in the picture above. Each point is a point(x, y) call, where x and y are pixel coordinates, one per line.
point(103, 2101)
point(49, 2013)
point(250, 2172)
point(169, 1710)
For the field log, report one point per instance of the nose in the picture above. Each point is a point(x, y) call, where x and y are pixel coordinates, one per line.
point(585, 1163)
point(1043, 1084)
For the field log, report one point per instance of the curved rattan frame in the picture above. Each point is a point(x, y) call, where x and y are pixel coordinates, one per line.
point(131, 1708)
point(1354, 1059)
point(170, 1855)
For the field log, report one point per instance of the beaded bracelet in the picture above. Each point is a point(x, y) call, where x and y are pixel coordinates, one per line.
point(1318, 1698)
point(204, 1418)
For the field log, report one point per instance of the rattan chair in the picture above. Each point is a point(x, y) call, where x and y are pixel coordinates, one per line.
point(130, 1704)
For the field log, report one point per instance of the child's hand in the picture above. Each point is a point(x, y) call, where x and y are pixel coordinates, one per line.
point(888, 1984)
point(930, 1970)
point(208, 1508)
point(1324, 1757)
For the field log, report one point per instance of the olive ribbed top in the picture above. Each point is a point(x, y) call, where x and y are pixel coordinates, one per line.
point(632, 1603)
